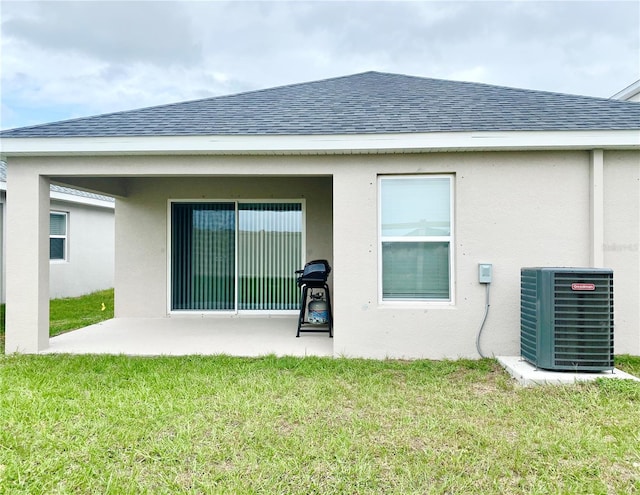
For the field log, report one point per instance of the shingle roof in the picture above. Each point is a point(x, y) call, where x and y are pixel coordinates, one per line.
point(367, 103)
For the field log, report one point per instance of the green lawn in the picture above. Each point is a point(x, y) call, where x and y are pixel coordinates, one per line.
point(115, 424)
point(122, 425)
point(73, 312)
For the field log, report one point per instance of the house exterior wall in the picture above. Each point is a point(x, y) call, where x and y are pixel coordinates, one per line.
point(2, 248)
point(142, 228)
point(90, 264)
point(90, 260)
point(622, 244)
point(27, 265)
point(511, 209)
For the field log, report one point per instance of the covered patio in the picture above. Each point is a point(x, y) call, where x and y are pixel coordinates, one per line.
point(247, 337)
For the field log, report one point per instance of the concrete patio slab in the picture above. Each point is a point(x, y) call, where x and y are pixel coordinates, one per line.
point(528, 375)
point(247, 336)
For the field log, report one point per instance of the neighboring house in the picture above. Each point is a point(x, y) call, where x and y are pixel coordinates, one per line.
point(81, 240)
point(405, 184)
point(630, 93)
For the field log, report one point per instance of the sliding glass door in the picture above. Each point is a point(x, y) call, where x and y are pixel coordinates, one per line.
point(228, 256)
point(269, 252)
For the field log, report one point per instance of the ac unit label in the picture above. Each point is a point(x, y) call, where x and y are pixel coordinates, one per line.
point(583, 286)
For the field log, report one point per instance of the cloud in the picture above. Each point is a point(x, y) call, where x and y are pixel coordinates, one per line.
point(115, 32)
point(66, 59)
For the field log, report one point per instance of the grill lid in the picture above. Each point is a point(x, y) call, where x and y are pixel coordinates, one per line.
point(316, 271)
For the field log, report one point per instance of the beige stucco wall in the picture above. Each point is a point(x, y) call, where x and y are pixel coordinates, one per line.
point(512, 209)
point(142, 228)
point(27, 258)
point(622, 244)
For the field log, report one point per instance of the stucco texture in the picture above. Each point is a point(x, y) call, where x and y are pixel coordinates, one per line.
point(511, 209)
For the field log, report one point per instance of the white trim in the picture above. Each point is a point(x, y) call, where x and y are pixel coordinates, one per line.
point(323, 144)
point(65, 237)
point(417, 303)
point(236, 311)
point(73, 198)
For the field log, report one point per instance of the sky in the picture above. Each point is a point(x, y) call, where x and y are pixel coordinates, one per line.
point(69, 59)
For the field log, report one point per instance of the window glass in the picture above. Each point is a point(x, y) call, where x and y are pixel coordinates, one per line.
point(57, 224)
point(415, 238)
point(228, 256)
point(56, 248)
point(203, 256)
point(269, 253)
point(416, 207)
point(57, 236)
point(415, 270)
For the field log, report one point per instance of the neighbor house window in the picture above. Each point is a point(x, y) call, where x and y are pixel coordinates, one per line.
point(235, 256)
point(415, 237)
point(58, 235)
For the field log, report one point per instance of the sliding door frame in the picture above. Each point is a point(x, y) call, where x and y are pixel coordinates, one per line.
point(236, 202)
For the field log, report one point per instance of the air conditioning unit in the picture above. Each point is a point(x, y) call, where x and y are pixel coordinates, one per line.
point(566, 318)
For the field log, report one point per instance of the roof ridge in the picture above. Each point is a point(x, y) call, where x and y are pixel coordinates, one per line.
point(495, 86)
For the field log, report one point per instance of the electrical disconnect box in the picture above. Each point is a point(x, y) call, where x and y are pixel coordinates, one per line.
point(484, 273)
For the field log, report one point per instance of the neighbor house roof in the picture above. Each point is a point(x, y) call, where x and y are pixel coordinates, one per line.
point(630, 93)
point(367, 103)
point(64, 193)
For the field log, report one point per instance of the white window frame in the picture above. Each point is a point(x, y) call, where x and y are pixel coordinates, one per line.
point(236, 311)
point(450, 239)
point(65, 237)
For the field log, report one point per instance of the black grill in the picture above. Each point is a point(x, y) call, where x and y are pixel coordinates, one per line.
point(314, 274)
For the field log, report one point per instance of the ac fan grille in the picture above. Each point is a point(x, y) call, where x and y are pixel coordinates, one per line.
point(528, 316)
point(583, 321)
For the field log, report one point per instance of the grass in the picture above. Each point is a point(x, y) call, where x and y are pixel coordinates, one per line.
point(72, 313)
point(114, 424)
point(192, 425)
point(76, 312)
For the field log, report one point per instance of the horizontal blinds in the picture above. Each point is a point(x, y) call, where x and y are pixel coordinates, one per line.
point(57, 224)
point(269, 252)
point(415, 270)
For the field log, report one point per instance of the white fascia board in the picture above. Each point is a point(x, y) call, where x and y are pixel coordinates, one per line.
point(73, 198)
point(324, 144)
